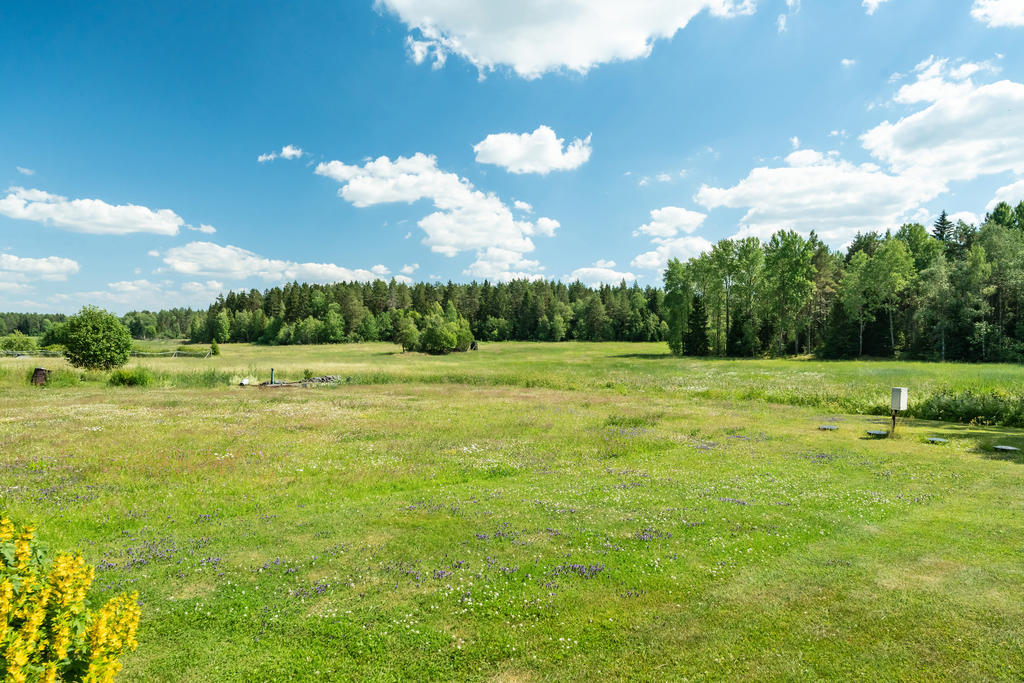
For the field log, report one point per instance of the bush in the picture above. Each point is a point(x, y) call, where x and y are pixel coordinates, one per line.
point(136, 377)
point(214, 348)
point(16, 341)
point(96, 340)
point(47, 631)
point(53, 336)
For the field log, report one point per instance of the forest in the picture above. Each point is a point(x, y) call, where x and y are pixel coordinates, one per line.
point(951, 292)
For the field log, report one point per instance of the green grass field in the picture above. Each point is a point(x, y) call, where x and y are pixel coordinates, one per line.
point(531, 512)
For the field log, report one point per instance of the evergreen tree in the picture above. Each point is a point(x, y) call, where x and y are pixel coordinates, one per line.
point(696, 340)
point(943, 228)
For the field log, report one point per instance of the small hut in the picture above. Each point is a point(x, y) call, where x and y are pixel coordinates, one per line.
point(40, 376)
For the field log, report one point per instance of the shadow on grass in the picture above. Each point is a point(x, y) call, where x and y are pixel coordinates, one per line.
point(985, 439)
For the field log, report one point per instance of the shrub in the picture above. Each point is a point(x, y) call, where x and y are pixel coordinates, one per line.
point(47, 631)
point(438, 336)
point(16, 341)
point(408, 335)
point(53, 336)
point(136, 377)
point(96, 340)
point(214, 348)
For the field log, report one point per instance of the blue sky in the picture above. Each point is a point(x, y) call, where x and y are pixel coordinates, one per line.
point(450, 139)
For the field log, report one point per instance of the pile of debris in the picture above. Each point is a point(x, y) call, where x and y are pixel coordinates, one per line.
point(309, 381)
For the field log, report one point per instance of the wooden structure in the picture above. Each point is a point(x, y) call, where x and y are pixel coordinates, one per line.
point(40, 376)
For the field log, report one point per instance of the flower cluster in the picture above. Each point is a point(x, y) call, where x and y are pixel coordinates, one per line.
point(47, 632)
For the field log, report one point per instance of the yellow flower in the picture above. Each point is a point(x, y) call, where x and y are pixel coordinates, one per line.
point(6, 530)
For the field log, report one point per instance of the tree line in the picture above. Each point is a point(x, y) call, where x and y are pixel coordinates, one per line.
point(519, 310)
point(955, 292)
point(951, 292)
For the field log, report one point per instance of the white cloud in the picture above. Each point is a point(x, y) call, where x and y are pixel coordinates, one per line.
point(534, 37)
point(16, 272)
point(669, 221)
point(872, 5)
point(203, 228)
point(780, 23)
point(142, 294)
point(466, 218)
point(823, 193)
point(523, 206)
point(965, 216)
point(795, 142)
point(1012, 194)
point(544, 226)
point(404, 279)
point(663, 178)
point(847, 63)
point(996, 13)
point(87, 215)
point(410, 268)
point(25, 171)
point(966, 131)
point(682, 248)
point(287, 152)
point(602, 272)
point(380, 270)
point(495, 263)
point(962, 132)
point(538, 152)
point(234, 263)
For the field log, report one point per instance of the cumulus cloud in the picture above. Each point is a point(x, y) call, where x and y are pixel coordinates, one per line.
point(602, 272)
point(380, 270)
point(466, 218)
point(538, 152)
point(682, 248)
point(960, 131)
point(1012, 194)
point(287, 152)
point(534, 37)
point(46, 268)
point(872, 5)
point(25, 171)
point(142, 293)
point(17, 272)
point(495, 263)
point(92, 216)
point(847, 63)
point(996, 13)
point(523, 206)
point(814, 191)
point(234, 263)
point(966, 130)
point(965, 216)
point(669, 221)
point(410, 268)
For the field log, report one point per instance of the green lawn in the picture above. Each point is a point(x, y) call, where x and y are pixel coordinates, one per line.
point(530, 512)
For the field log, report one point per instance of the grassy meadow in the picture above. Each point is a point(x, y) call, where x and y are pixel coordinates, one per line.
point(530, 512)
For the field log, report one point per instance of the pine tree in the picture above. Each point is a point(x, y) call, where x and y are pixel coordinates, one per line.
point(696, 340)
point(943, 229)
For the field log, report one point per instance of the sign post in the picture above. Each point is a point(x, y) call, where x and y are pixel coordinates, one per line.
point(899, 403)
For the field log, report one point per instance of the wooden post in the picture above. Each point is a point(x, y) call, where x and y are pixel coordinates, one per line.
point(40, 376)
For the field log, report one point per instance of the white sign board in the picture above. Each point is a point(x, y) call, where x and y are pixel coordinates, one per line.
point(899, 398)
